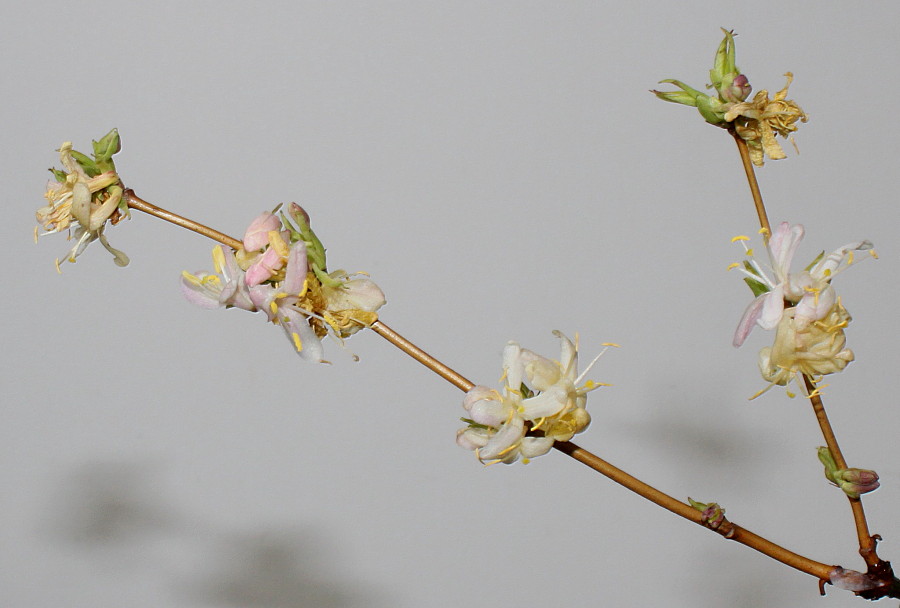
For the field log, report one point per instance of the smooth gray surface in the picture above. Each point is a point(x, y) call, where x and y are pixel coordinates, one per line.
point(500, 169)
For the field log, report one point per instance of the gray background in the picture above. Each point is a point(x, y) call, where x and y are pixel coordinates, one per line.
point(502, 171)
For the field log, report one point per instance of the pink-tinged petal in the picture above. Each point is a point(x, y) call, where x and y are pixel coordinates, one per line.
point(200, 291)
point(264, 267)
point(301, 335)
point(477, 393)
point(489, 412)
point(295, 273)
point(772, 309)
point(748, 320)
point(782, 247)
point(498, 446)
point(257, 235)
point(261, 296)
point(838, 259)
point(814, 306)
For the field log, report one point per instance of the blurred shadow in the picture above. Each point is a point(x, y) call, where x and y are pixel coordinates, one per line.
point(275, 570)
point(118, 507)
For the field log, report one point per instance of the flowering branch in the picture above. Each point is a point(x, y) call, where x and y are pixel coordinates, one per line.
point(726, 528)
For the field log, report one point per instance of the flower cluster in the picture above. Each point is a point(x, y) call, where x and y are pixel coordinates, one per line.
point(281, 271)
point(542, 401)
point(802, 307)
point(86, 194)
point(757, 122)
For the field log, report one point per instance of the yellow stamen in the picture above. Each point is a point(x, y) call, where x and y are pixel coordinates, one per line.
point(273, 307)
point(298, 344)
point(740, 237)
point(610, 344)
point(733, 266)
point(540, 422)
point(218, 257)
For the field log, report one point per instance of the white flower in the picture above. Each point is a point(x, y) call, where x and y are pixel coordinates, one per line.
point(809, 290)
point(538, 395)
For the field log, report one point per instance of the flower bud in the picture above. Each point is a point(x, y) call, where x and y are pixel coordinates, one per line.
point(727, 80)
point(852, 481)
point(711, 514)
point(858, 481)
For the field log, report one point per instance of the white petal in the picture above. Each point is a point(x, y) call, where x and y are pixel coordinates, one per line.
point(498, 446)
point(548, 403)
point(532, 447)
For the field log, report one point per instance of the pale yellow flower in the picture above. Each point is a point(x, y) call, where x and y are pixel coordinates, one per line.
point(758, 122)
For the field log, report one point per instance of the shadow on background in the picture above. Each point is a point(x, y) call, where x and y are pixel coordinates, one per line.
point(115, 512)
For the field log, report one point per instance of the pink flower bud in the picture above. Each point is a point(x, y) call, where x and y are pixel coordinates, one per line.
point(257, 235)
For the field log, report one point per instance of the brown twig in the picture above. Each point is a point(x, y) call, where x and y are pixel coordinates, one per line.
point(867, 543)
point(134, 202)
point(754, 185)
point(727, 529)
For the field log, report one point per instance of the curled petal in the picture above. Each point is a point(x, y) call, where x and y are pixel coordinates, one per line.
point(504, 441)
point(490, 412)
point(477, 393)
point(472, 438)
point(532, 447)
point(548, 403)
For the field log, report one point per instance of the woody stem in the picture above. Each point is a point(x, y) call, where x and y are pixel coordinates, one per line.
point(754, 185)
point(727, 529)
point(867, 545)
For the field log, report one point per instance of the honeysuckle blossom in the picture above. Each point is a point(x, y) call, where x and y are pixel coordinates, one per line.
point(284, 276)
point(813, 351)
point(758, 122)
point(810, 290)
point(538, 395)
point(84, 196)
point(802, 307)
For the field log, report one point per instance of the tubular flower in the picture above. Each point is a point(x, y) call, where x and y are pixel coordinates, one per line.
point(86, 194)
point(809, 291)
point(281, 272)
point(802, 307)
point(758, 122)
point(538, 395)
